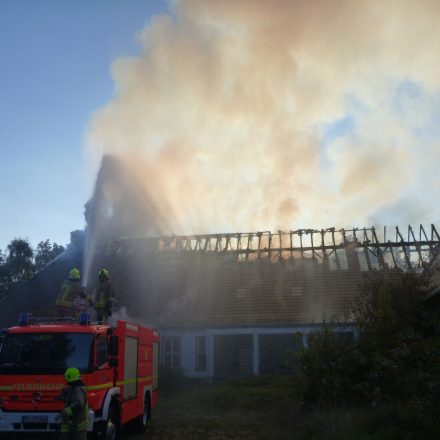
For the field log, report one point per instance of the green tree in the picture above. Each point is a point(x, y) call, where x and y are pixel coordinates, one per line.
point(20, 259)
point(397, 337)
point(396, 356)
point(5, 278)
point(329, 367)
point(46, 252)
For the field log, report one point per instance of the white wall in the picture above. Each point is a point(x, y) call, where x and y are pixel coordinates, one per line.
point(188, 343)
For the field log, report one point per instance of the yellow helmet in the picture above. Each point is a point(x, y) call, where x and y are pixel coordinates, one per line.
point(103, 273)
point(72, 374)
point(74, 274)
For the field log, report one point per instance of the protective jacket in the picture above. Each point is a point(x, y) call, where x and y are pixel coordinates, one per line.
point(69, 292)
point(76, 410)
point(105, 296)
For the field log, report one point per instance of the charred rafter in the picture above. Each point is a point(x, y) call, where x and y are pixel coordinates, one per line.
point(414, 250)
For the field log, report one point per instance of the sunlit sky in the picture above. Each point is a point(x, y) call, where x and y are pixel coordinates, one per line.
point(55, 60)
point(228, 115)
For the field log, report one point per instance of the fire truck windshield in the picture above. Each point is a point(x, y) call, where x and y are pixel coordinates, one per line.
point(45, 353)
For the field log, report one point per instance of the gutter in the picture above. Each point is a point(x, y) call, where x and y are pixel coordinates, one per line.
point(432, 294)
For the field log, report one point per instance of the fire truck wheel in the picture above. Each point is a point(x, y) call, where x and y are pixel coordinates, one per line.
point(111, 426)
point(142, 420)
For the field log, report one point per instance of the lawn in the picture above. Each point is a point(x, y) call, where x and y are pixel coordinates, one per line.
point(260, 408)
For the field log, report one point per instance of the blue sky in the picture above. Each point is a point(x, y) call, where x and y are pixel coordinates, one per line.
point(339, 131)
point(55, 59)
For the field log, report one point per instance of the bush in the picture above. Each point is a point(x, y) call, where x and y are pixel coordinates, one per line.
point(173, 379)
point(395, 358)
point(329, 368)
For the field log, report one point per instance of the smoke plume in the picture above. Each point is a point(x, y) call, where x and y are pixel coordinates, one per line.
point(256, 115)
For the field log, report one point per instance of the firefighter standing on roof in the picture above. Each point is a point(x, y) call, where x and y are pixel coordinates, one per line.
point(105, 297)
point(75, 415)
point(70, 292)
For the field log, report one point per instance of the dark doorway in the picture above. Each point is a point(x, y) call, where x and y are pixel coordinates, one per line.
point(233, 355)
point(279, 353)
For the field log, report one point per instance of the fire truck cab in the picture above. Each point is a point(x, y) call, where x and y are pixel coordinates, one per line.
point(119, 367)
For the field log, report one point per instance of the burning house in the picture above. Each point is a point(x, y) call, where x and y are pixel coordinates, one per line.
point(237, 304)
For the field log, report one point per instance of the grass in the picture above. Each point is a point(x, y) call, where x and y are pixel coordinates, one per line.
point(269, 408)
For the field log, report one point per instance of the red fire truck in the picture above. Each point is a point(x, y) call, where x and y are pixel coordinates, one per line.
point(119, 367)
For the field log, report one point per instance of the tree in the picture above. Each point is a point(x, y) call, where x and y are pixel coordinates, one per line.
point(20, 259)
point(5, 278)
point(19, 264)
point(396, 355)
point(57, 249)
point(45, 253)
point(330, 366)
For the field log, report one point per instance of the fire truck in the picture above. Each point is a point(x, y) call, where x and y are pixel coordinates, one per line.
point(118, 365)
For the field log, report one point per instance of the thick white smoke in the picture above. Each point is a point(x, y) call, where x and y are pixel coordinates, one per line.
point(256, 115)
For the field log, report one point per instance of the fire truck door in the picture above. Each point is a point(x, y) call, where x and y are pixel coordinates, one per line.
point(155, 365)
point(102, 377)
point(130, 368)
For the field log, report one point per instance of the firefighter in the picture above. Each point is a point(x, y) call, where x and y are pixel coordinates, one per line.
point(75, 415)
point(104, 297)
point(70, 292)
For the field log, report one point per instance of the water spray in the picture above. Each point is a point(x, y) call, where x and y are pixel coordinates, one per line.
point(89, 251)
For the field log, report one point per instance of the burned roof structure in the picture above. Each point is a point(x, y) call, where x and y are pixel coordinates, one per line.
point(259, 278)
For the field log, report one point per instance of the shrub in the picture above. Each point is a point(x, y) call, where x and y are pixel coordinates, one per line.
point(329, 367)
point(396, 356)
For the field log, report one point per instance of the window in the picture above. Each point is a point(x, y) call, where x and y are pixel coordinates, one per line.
point(342, 336)
point(279, 352)
point(46, 353)
point(171, 352)
point(240, 293)
point(200, 353)
point(101, 351)
point(296, 291)
point(346, 336)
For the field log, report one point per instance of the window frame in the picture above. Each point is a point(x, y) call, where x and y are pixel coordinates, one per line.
point(171, 356)
point(201, 353)
point(98, 343)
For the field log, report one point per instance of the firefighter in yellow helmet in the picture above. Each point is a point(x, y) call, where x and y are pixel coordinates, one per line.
point(70, 292)
point(105, 297)
point(75, 415)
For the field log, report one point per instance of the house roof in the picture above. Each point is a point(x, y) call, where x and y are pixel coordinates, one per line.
point(176, 288)
point(187, 289)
